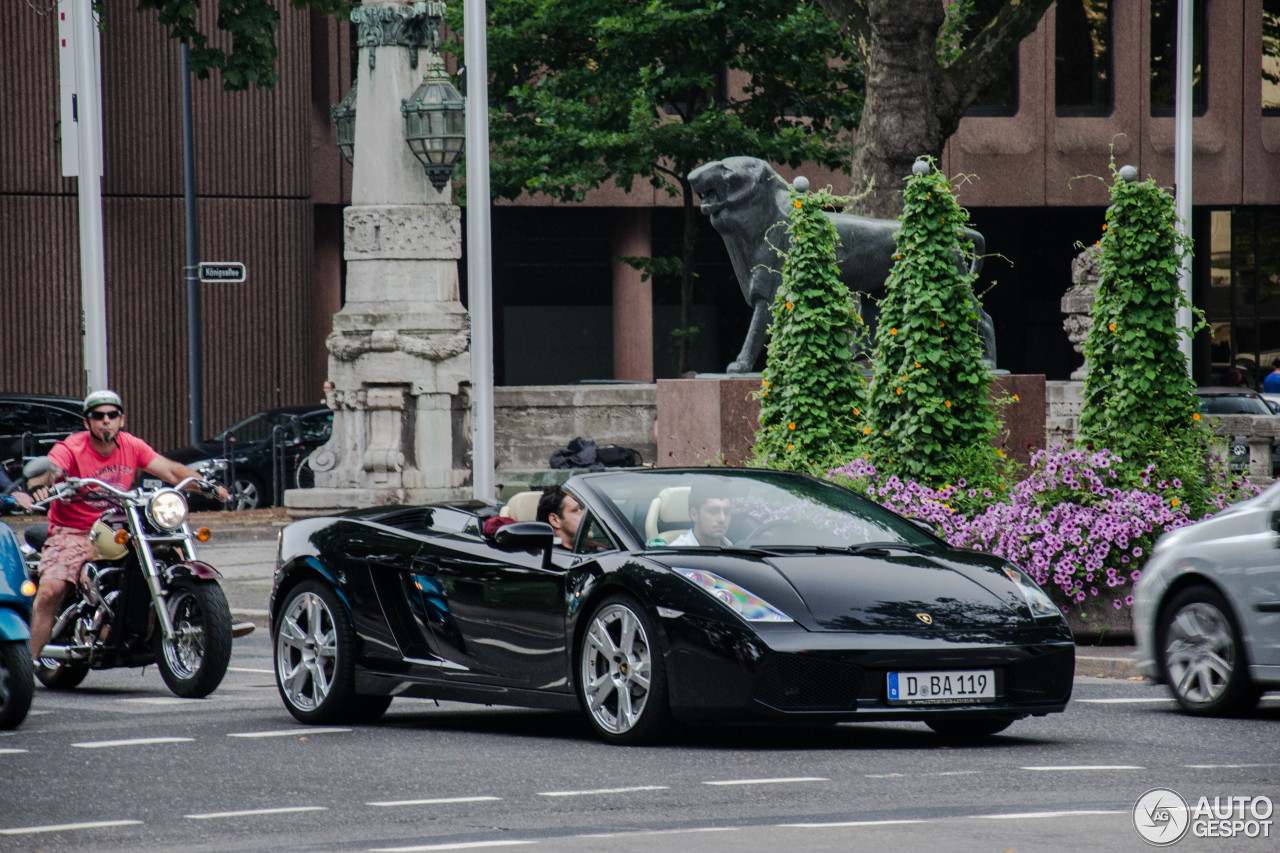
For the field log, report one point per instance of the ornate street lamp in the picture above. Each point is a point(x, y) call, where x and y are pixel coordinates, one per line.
point(344, 116)
point(434, 123)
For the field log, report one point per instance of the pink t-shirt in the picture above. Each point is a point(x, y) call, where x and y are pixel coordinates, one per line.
point(76, 456)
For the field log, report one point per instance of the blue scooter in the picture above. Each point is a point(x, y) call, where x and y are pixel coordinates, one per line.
point(17, 682)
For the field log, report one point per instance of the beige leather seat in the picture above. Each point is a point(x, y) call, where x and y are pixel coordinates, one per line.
point(523, 506)
point(668, 514)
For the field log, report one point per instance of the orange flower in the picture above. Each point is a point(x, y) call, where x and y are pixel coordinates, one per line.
point(899, 392)
point(788, 306)
point(789, 447)
point(1175, 502)
point(791, 425)
point(1111, 327)
point(765, 382)
point(1104, 226)
point(893, 331)
point(855, 410)
point(1015, 399)
point(1196, 416)
point(948, 404)
point(866, 430)
point(897, 257)
point(798, 204)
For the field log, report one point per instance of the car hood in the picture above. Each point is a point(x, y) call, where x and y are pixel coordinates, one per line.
point(957, 592)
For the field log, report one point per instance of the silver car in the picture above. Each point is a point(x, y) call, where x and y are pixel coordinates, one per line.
point(1206, 610)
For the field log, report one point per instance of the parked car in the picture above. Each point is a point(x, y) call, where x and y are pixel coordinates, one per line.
point(825, 607)
point(31, 423)
point(1239, 401)
point(1206, 611)
point(252, 484)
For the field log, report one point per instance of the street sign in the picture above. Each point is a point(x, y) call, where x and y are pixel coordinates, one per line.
point(225, 272)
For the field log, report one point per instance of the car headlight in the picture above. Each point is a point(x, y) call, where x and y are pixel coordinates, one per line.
point(734, 597)
point(1037, 599)
point(168, 509)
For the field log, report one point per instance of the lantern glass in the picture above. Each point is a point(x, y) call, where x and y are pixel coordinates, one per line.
point(434, 123)
point(344, 118)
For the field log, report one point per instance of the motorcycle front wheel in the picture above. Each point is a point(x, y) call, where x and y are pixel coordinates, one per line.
point(193, 662)
point(16, 683)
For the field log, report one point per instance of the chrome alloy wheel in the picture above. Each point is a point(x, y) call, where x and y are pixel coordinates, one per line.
point(306, 651)
point(616, 668)
point(1200, 653)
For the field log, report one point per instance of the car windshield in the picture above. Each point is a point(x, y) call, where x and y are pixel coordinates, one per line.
point(257, 427)
point(1233, 404)
point(766, 510)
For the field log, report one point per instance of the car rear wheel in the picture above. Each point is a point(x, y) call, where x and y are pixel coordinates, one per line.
point(622, 682)
point(315, 660)
point(1201, 656)
point(246, 493)
point(975, 728)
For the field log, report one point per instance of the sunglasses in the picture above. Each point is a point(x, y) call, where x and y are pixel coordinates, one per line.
point(105, 416)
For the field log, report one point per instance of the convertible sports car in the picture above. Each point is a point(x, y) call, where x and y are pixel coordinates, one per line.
point(815, 605)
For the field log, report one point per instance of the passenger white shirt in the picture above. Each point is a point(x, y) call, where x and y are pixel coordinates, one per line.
point(687, 538)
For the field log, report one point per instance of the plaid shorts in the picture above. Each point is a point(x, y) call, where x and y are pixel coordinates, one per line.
point(64, 554)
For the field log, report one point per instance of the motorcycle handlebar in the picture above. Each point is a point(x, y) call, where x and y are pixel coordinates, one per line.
point(64, 488)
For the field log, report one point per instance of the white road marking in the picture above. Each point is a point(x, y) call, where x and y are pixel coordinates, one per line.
point(252, 812)
point(1136, 701)
point(463, 845)
point(61, 827)
point(1084, 767)
point(841, 824)
point(603, 791)
point(659, 832)
point(160, 700)
point(287, 732)
point(1225, 766)
point(778, 781)
point(249, 669)
point(435, 802)
point(142, 741)
point(11, 751)
point(1035, 815)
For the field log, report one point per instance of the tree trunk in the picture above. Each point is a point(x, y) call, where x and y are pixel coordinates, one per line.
point(899, 121)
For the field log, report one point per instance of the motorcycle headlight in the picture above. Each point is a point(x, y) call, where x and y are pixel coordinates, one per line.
point(734, 597)
point(167, 508)
point(1038, 600)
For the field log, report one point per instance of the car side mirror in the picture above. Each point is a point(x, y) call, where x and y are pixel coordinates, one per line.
point(525, 536)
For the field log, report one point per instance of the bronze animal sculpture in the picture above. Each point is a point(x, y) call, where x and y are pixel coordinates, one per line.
point(747, 202)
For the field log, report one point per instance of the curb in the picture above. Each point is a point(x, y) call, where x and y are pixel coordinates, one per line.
point(1090, 666)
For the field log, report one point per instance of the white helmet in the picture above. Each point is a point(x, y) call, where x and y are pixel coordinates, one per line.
point(101, 397)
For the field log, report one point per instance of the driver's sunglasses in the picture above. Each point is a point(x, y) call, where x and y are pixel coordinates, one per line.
point(105, 416)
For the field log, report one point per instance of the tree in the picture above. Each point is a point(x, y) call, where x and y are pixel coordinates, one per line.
point(925, 65)
point(584, 91)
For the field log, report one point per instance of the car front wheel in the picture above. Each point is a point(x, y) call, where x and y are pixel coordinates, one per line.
point(1201, 656)
point(622, 682)
point(315, 659)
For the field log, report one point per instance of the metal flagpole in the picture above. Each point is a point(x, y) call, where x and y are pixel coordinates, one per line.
point(1182, 155)
point(93, 287)
point(479, 260)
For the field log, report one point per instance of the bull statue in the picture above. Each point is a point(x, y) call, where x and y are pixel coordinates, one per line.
point(747, 202)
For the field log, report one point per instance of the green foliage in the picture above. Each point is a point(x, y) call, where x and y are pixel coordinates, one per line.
point(811, 394)
point(928, 398)
point(1138, 391)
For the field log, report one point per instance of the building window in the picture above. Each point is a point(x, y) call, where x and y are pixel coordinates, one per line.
point(1000, 96)
point(1243, 302)
point(1164, 57)
point(1271, 57)
point(1083, 81)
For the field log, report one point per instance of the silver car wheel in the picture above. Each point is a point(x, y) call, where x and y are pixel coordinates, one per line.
point(306, 651)
point(1200, 653)
point(616, 666)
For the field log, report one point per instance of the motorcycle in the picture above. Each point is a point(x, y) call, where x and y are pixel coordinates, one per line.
point(144, 598)
point(16, 683)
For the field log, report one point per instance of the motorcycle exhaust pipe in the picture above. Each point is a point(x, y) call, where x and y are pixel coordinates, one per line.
point(73, 654)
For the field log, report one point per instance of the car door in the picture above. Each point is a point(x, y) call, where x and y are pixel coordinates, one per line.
point(1256, 593)
point(499, 617)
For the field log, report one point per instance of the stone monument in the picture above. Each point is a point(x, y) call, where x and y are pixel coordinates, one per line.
point(1077, 304)
point(398, 353)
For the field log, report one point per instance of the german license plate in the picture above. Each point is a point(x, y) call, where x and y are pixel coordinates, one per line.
point(942, 688)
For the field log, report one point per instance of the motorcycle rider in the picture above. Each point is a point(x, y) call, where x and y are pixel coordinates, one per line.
point(106, 452)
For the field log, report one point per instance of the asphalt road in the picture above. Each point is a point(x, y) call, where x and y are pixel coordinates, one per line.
point(120, 764)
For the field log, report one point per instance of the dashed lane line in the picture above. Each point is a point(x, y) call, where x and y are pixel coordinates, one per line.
point(1137, 700)
point(463, 845)
point(640, 832)
point(11, 751)
point(1043, 815)
point(1054, 767)
point(634, 789)
point(141, 741)
point(64, 827)
point(288, 732)
point(775, 781)
point(250, 669)
point(438, 801)
point(255, 812)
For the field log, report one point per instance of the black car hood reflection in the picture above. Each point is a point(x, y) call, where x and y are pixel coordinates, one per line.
point(878, 594)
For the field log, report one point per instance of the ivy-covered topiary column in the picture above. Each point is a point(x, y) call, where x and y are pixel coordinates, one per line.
point(810, 393)
point(928, 414)
point(1138, 397)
